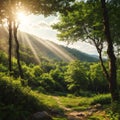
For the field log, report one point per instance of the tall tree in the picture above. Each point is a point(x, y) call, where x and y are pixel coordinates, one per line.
point(17, 49)
point(10, 45)
point(110, 51)
point(9, 20)
point(89, 21)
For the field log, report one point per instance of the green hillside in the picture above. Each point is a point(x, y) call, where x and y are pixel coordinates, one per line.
point(37, 49)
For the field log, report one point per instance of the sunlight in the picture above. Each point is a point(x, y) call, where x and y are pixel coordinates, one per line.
point(58, 51)
point(61, 52)
point(34, 51)
point(22, 18)
point(26, 39)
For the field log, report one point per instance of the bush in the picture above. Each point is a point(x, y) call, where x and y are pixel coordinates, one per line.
point(3, 68)
point(17, 102)
point(49, 84)
point(41, 89)
point(83, 93)
point(3, 58)
point(102, 99)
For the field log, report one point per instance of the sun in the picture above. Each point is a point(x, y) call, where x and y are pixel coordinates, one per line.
point(22, 18)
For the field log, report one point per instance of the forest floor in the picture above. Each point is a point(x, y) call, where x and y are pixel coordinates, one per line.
point(94, 112)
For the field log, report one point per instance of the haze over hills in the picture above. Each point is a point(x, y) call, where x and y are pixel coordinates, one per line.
point(39, 48)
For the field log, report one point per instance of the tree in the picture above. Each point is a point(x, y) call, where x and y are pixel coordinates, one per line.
point(76, 77)
point(86, 21)
point(17, 49)
point(110, 51)
point(98, 82)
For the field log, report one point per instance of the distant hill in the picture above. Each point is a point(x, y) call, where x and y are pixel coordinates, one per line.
point(37, 49)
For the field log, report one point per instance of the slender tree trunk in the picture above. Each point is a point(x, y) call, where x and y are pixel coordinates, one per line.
point(17, 50)
point(103, 66)
point(10, 46)
point(112, 59)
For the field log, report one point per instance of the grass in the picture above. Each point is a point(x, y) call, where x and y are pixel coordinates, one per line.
point(80, 104)
point(96, 118)
point(60, 118)
point(48, 100)
point(75, 103)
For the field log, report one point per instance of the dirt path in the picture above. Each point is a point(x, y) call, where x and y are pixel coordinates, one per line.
point(61, 105)
point(78, 115)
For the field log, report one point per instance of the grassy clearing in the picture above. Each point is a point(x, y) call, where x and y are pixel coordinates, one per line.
point(75, 103)
point(83, 103)
point(78, 104)
point(48, 100)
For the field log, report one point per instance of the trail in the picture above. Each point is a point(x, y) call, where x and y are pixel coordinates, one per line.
point(80, 115)
point(72, 115)
point(61, 105)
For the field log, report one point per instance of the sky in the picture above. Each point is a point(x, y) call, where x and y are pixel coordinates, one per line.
point(41, 27)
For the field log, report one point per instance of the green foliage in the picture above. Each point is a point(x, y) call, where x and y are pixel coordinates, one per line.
point(49, 84)
point(3, 58)
point(3, 68)
point(75, 77)
point(98, 82)
point(85, 20)
point(17, 100)
point(58, 76)
point(82, 22)
point(37, 70)
point(114, 116)
point(79, 78)
point(102, 99)
point(114, 112)
point(96, 117)
point(47, 66)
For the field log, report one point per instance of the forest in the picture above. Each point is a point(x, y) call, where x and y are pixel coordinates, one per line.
point(45, 84)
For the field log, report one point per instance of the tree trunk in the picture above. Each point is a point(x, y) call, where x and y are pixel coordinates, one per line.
point(112, 59)
point(17, 50)
point(10, 46)
point(102, 64)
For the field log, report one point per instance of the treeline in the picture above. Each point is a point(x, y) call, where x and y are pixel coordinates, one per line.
point(75, 77)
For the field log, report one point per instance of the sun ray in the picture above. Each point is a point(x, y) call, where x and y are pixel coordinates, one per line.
point(60, 52)
point(56, 50)
point(32, 48)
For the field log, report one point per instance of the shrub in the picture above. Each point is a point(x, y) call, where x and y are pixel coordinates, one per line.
point(102, 99)
point(3, 68)
point(16, 100)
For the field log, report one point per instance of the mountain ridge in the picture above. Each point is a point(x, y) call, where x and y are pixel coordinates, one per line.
point(44, 48)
